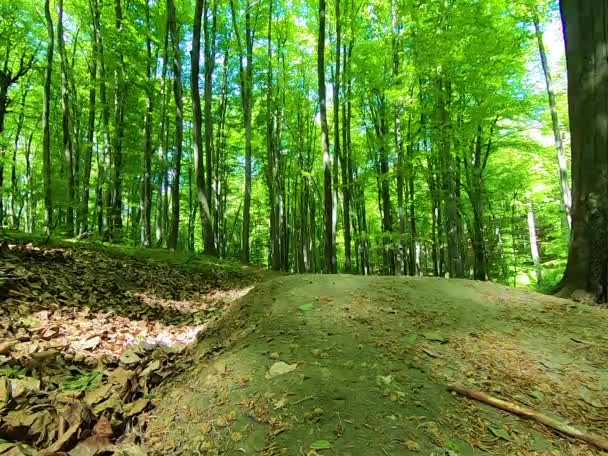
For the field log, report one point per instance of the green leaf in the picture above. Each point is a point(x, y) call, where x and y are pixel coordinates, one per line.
point(321, 445)
point(537, 395)
point(84, 382)
point(411, 339)
point(500, 433)
point(307, 307)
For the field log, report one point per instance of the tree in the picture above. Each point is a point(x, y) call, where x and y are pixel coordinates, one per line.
point(587, 62)
point(330, 264)
point(46, 114)
point(179, 124)
point(203, 190)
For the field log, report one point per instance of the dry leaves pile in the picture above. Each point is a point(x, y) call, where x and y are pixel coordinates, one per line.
point(84, 338)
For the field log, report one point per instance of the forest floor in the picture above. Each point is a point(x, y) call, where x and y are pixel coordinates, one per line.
point(141, 352)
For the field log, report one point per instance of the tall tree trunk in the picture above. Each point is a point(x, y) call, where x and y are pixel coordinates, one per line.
point(14, 181)
point(346, 162)
point(557, 135)
point(455, 263)
point(179, 124)
point(203, 190)
point(245, 77)
point(275, 238)
point(88, 159)
point(330, 263)
point(146, 198)
point(66, 124)
point(586, 28)
point(46, 114)
point(119, 114)
point(209, 46)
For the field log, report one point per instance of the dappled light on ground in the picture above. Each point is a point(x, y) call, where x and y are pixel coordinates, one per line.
point(88, 333)
point(361, 366)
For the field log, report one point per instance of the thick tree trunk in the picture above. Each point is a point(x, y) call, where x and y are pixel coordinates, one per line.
point(330, 264)
point(585, 25)
point(557, 135)
point(46, 114)
point(179, 124)
point(203, 190)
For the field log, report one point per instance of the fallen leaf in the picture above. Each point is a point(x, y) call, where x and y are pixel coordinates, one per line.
point(307, 307)
point(500, 433)
point(280, 368)
point(320, 445)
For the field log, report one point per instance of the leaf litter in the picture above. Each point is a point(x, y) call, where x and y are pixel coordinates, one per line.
point(86, 336)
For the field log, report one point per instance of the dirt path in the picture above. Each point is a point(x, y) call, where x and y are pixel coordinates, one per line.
point(350, 365)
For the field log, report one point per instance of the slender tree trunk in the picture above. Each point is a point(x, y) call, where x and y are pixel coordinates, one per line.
point(163, 184)
point(179, 124)
point(88, 159)
point(46, 114)
point(29, 194)
point(534, 243)
point(14, 181)
point(68, 153)
point(119, 114)
point(585, 25)
point(275, 238)
point(330, 263)
point(245, 77)
point(455, 263)
point(209, 46)
point(557, 135)
point(146, 198)
point(203, 189)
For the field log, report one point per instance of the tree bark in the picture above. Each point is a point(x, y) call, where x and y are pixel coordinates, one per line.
point(245, 77)
point(68, 153)
point(179, 124)
point(330, 264)
point(585, 26)
point(455, 263)
point(203, 190)
point(88, 159)
point(119, 114)
point(146, 198)
point(46, 126)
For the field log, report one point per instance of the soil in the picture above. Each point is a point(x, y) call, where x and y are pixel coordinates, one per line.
point(108, 350)
point(360, 366)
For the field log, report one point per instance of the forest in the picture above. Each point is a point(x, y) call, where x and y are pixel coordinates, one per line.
point(397, 137)
point(237, 227)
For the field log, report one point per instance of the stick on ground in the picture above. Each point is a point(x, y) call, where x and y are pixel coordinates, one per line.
point(526, 412)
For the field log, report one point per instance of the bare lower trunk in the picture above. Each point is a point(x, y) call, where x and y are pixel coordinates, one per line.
point(587, 58)
point(179, 124)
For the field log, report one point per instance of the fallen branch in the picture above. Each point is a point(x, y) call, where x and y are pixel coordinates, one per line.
point(526, 412)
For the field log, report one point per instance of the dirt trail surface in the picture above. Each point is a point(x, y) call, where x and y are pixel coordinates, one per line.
point(87, 334)
point(347, 365)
